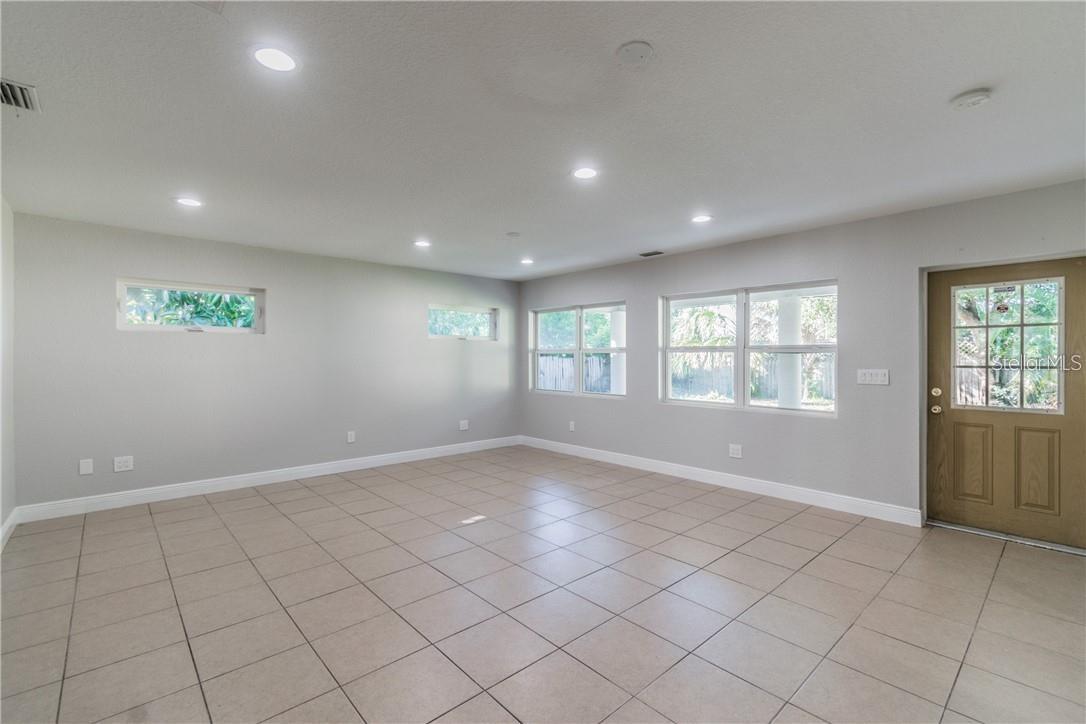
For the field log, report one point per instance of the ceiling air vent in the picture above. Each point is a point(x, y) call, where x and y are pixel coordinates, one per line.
point(647, 254)
point(19, 95)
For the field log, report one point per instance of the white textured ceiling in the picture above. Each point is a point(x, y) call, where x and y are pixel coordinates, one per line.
point(461, 122)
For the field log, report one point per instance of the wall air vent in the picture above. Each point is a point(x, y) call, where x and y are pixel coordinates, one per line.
point(19, 95)
point(647, 254)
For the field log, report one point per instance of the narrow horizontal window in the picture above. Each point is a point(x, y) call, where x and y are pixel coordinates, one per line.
point(185, 307)
point(463, 322)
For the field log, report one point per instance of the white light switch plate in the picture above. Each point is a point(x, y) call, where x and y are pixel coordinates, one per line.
point(86, 466)
point(872, 377)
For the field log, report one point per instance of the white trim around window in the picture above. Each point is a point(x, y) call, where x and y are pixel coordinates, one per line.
point(569, 358)
point(137, 309)
point(484, 326)
point(765, 349)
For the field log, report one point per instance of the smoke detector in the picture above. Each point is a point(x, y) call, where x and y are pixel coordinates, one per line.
point(635, 53)
point(971, 99)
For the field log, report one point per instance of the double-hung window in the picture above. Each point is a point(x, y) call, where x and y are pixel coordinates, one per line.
point(774, 348)
point(792, 348)
point(700, 348)
point(580, 349)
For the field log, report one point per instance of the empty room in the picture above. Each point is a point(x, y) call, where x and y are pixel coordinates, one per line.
point(563, 362)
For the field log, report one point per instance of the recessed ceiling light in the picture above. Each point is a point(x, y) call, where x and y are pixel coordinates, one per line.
point(423, 243)
point(585, 173)
point(526, 260)
point(274, 59)
point(702, 219)
point(971, 98)
point(189, 201)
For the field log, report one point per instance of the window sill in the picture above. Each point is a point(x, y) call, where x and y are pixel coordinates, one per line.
point(589, 395)
point(734, 407)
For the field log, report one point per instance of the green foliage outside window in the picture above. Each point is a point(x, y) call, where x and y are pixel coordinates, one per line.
point(178, 307)
point(460, 323)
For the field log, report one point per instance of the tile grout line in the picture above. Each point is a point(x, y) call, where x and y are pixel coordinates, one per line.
point(415, 516)
point(972, 633)
point(68, 642)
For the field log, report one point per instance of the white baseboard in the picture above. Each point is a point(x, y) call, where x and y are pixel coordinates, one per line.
point(90, 503)
point(809, 496)
point(6, 528)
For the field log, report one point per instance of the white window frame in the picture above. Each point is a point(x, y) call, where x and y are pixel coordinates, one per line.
point(492, 311)
point(123, 324)
point(578, 352)
point(1060, 325)
point(736, 349)
point(742, 350)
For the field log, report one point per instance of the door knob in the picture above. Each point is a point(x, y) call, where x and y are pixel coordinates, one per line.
point(936, 409)
point(936, 391)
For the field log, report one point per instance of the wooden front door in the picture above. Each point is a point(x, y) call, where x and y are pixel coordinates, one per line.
point(1006, 399)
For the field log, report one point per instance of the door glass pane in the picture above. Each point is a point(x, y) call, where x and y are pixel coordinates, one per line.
point(704, 322)
point(1004, 345)
point(605, 373)
point(604, 327)
point(1005, 304)
point(798, 381)
point(970, 307)
point(1003, 388)
point(970, 386)
point(971, 346)
point(556, 372)
point(1041, 346)
point(704, 376)
point(1042, 302)
point(557, 330)
point(1041, 389)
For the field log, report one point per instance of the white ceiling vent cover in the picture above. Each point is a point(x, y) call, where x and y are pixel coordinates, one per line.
point(19, 95)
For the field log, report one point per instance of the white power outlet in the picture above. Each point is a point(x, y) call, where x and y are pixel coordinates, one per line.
point(86, 466)
point(872, 377)
point(464, 425)
point(123, 463)
point(350, 436)
point(572, 426)
point(735, 451)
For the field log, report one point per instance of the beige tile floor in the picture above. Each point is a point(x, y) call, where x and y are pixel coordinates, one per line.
point(517, 584)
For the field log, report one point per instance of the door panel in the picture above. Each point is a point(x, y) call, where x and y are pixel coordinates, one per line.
point(1037, 485)
point(1007, 399)
point(973, 462)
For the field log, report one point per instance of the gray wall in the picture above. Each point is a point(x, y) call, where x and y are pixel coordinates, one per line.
point(346, 348)
point(872, 448)
point(7, 337)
